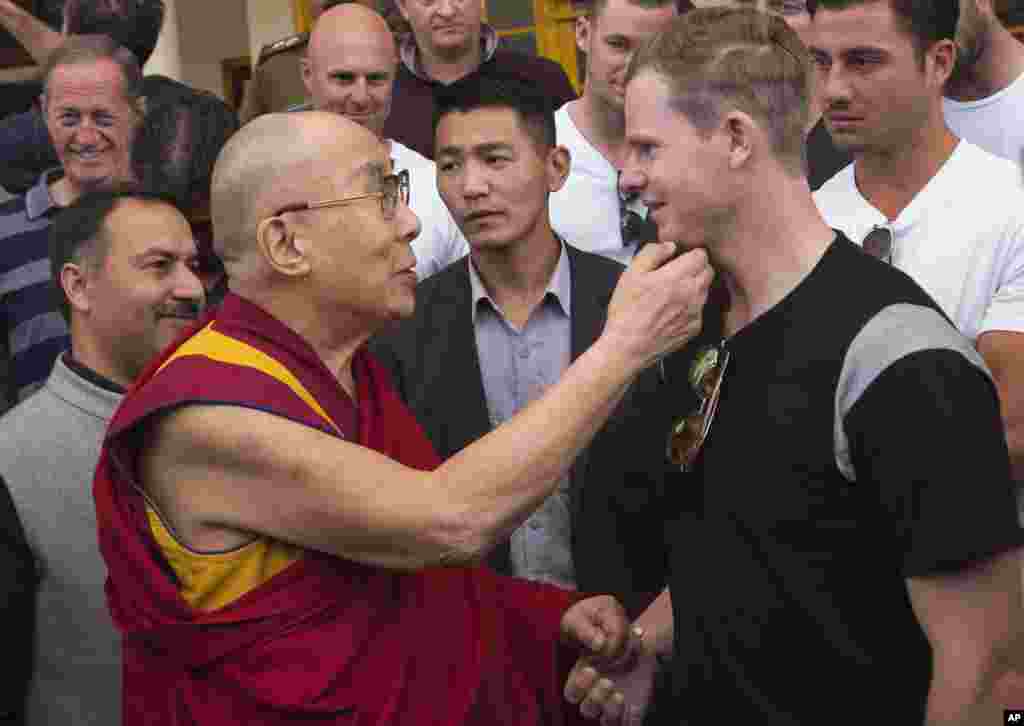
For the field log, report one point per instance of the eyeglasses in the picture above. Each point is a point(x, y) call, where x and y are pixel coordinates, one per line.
point(394, 187)
point(878, 244)
point(636, 230)
point(689, 432)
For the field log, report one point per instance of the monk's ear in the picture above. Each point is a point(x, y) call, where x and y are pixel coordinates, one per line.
point(281, 248)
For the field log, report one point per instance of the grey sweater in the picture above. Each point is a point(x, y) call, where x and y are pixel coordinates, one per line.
point(49, 446)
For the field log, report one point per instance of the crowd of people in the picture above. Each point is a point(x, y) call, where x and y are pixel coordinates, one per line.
point(424, 391)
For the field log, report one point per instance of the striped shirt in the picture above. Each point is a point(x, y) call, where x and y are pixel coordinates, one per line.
point(34, 330)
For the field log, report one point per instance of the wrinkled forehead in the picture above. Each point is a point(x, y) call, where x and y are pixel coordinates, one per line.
point(343, 172)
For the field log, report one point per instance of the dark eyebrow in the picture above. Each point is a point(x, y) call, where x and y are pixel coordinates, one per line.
point(494, 146)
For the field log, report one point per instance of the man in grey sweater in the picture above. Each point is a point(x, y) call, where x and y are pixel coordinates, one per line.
point(123, 266)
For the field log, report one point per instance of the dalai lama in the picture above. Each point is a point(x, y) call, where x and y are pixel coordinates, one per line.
point(281, 542)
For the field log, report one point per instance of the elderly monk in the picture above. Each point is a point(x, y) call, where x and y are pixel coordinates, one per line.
point(281, 541)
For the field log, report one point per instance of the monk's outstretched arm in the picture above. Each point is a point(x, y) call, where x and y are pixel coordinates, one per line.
point(242, 470)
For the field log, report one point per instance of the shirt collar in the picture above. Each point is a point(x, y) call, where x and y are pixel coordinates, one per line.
point(410, 54)
point(38, 199)
point(559, 286)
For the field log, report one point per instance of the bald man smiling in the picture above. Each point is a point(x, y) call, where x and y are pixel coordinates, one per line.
point(349, 69)
point(281, 541)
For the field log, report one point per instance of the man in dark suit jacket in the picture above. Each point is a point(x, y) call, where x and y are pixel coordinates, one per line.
point(496, 327)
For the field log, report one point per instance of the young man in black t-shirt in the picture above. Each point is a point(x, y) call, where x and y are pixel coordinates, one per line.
point(843, 547)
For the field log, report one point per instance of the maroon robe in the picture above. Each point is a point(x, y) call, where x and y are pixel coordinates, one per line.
point(327, 640)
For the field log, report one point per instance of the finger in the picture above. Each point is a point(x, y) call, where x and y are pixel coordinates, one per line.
point(593, 704)
point(581, 679)
point(632, 715)
point(653, 255)
point(613, 710)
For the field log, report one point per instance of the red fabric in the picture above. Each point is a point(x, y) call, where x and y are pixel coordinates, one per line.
point(326, 641)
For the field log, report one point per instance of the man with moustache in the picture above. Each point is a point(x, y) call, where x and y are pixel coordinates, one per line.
point(984, 97)
point(589, 211)
point(350, 69)
point(492, 332)
point(913, 195)
point(123, 264)
point(449, 41)
point(92, 103)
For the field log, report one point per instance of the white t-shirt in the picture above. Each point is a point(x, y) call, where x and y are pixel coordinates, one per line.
point(440, 242)
point(585, 211)
point(961, 238)
point(993, 123)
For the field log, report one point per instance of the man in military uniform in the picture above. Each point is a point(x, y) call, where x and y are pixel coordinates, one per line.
point(276, 83)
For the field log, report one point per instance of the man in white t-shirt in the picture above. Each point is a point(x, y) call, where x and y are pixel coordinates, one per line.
point(588, 211)
point(943, 210)
point(985, 95)
point(350, 70)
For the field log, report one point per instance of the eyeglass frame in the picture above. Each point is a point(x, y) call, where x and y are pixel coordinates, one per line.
point(402, 193)
point(706, 408)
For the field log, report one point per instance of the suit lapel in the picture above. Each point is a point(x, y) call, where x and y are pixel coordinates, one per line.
point(461, 374)
point(590, 296)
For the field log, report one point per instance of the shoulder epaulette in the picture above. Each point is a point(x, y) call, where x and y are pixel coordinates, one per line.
point(279, 46)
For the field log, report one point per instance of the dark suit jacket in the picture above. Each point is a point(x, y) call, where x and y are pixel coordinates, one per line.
point(614, 483)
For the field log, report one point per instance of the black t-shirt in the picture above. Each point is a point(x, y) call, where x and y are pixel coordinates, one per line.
point(788, 576)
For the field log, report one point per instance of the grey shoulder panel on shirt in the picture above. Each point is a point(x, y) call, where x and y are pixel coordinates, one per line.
point(894, 333)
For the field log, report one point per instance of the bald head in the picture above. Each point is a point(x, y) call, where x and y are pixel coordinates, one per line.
point(350, 65)
point(282, 159)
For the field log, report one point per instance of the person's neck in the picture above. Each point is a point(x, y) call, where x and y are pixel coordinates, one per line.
point(517, 276)
point(770, 246)
point(1001, 63)
point(890, 179)
point(89, 354)
point(604, 126)
point(450, 67)
point(334, 335)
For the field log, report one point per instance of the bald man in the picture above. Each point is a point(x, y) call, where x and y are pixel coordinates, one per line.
point(350, 69)
point(281, 540)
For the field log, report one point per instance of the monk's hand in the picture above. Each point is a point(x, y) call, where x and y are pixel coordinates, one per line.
point(656, 307)
point(600, 628)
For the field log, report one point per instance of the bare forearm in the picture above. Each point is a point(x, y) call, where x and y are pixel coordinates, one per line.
point(499, 480)
point(33, 34)
point(960, 701)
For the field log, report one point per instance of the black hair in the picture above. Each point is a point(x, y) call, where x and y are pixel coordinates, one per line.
point(176, 146)
point(135, 24)
point(926, 21)
point(78, 232)
point(531, 106)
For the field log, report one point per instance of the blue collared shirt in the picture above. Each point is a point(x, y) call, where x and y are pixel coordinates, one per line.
point(517, 366)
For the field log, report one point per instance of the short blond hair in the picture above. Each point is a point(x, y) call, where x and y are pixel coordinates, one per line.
point(719, 59)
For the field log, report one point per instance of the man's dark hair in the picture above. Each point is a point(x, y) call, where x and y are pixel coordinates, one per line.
point(533, 108)
point(79, 235)
point(175, 147)
point(926, 21)
point(135, 24)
